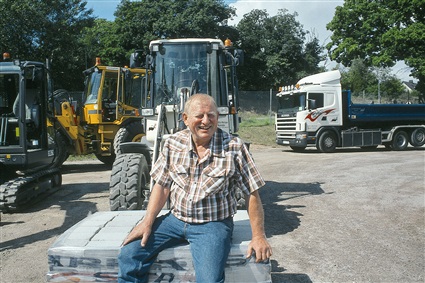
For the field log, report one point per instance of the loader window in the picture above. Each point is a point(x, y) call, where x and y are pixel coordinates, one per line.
point(185, 69)
point(92, 87)
point(134, 90)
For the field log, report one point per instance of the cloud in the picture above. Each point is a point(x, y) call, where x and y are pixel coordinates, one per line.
point(312, 15)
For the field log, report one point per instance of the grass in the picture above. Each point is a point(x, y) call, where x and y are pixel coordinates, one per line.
point(257, 129)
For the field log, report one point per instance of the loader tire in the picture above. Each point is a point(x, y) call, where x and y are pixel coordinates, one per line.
point(129, 180)
point(61, 153)
point(132, 132)
point(106, 159)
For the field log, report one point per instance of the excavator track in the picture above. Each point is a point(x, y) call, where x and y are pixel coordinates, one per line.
point(19, 193)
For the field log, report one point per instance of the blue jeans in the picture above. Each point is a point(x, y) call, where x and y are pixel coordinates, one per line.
point(209, 244)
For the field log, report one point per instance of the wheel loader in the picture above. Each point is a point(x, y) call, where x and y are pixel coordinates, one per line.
point(106, 114)
point(28, 147)
point(178, 68)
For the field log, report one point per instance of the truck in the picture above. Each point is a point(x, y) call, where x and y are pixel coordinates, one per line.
point(177, 69)
point(28, 147)
point(317, 112)
point(104, 115)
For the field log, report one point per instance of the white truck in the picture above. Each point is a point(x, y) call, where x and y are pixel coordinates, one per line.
point(316, 112)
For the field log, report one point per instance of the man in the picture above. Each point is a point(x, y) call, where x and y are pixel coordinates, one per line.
point(200, 168)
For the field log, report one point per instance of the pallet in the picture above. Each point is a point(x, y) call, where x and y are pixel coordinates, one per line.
point(88, 251)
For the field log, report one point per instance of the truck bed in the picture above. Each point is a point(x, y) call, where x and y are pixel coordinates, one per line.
point(414, 113)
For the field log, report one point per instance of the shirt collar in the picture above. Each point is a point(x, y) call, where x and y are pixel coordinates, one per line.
point(215, 146)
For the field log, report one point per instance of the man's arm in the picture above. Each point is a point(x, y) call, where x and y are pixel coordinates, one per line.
point(157, 200)
point(259, 243)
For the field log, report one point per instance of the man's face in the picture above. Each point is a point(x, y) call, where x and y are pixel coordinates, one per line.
point(202, 120)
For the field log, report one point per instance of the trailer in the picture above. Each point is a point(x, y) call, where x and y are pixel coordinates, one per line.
point(317, 112)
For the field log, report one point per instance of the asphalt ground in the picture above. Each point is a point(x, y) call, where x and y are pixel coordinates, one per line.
point(349, 216)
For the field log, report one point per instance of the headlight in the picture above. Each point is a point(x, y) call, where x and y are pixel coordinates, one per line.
point(147, 112)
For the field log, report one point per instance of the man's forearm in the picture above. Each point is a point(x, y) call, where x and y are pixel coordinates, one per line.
point(256, 215)
point(157, 200)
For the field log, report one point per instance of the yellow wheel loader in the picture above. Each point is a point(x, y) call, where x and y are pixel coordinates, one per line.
point(105, 115)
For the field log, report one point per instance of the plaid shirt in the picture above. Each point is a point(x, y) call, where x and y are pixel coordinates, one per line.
point(204, 190)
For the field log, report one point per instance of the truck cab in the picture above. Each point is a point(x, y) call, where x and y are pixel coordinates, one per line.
point(304, 109)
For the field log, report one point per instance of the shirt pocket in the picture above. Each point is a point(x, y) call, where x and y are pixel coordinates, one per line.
point(179, 175)
point(214, 180)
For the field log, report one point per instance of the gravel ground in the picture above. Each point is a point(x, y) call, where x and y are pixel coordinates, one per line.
point(350, 216)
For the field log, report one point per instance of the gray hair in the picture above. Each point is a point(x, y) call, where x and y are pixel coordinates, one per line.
point(198, 97)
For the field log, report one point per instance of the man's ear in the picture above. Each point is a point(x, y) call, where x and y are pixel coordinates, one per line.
point(184, 116)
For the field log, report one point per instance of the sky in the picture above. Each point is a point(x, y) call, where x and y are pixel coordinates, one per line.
point(312, 14)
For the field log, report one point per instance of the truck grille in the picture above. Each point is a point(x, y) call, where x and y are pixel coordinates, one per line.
point(285, 128)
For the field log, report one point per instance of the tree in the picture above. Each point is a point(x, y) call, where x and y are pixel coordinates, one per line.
point(36, 30)
point(381, 33)
point(371, 83)
point(276, 50)
point(139, 22)
point(102, 40)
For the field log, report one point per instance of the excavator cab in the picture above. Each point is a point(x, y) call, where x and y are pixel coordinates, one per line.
point(27, 144)
point(24, 139)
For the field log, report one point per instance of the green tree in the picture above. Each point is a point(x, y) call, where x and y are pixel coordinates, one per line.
point(102, 40)
point(371, 83)
point(276, 50)
point(139, 22)
point(381, 33)
point(36, 30)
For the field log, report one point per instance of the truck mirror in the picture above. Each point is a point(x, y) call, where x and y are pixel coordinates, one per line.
point(311, 103)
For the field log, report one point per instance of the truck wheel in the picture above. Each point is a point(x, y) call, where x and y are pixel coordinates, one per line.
point(400, 141)
point(417, 138)
point(327, 142)
point(129, 179)
point(130, 133)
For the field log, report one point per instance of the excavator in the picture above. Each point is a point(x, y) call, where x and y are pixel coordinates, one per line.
point(28, 147)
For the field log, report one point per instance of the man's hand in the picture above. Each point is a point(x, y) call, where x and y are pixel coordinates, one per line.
point(259, 244)
point(141, 231)
point(259, 247)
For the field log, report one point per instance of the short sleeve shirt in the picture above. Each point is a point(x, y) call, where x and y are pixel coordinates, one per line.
point(204, 190)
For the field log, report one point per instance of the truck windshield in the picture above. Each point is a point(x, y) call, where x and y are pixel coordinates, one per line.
point(290, 104)
point(9, 89)
point(186, 69)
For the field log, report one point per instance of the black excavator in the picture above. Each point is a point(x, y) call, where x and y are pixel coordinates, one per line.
point(28, 146)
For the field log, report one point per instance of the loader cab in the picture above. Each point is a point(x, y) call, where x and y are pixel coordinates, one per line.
point(179, 68)
point(24, 139)
point(112, 94)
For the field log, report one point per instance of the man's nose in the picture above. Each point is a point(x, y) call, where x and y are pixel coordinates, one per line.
point(205, 119)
